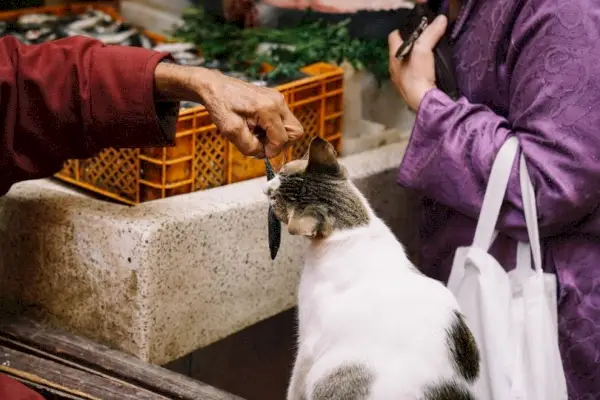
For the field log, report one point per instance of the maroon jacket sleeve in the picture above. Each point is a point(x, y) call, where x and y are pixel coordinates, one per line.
point(72, 98)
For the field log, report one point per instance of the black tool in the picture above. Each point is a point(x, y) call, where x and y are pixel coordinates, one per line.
point(411, 28)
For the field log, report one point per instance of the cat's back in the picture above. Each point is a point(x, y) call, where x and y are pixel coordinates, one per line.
point(358, 248)
point(363, 302)
point(369, 286)
point(370, 261)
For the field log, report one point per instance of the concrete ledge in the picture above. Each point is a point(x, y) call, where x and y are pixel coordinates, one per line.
point(164, 278)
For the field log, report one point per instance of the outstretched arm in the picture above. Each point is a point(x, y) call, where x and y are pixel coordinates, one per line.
point(72, 98)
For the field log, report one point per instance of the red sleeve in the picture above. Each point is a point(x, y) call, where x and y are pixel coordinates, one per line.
point(15, 390)
point(72, 98)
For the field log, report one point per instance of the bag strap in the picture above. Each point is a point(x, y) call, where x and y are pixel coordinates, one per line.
point(531, 220)
point(494, 193)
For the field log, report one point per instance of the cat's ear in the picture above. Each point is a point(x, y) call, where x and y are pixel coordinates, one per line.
point(310, 223)
point(322, 159)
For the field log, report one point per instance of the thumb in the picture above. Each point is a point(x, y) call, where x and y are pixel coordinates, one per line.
point(394, 43)
point(433, 33)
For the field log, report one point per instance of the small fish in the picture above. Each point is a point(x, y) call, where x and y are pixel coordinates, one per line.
point(175, 47)
point(184, 55)
point(273, 223)
point(32, 21)
point(86, 23)
point(116, 38)
point(35, 34)
point(146, 42)
point(111, 28)
point(71, 33)
point(269, 169)
point(198, 61)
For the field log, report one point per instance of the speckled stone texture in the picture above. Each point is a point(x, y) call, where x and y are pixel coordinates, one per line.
point(164, 278)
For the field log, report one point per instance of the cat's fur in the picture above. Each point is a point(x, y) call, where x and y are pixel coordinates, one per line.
point(371, 327)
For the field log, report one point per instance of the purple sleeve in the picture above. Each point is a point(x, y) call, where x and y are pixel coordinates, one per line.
point(554, 110)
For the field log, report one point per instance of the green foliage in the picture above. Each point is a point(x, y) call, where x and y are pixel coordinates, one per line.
point(294, 47)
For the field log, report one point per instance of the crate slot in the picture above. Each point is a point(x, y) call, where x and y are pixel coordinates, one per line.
point(334, 104)
point(333, 127)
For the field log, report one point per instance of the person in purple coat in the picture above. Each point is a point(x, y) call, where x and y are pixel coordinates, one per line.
point(528, 68)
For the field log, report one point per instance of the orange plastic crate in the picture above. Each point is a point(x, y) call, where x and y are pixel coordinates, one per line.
point(201, 158)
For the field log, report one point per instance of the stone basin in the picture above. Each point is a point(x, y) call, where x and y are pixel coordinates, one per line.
point(164, 278)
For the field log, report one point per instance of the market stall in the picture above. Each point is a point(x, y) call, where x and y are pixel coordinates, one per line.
point(184, 207)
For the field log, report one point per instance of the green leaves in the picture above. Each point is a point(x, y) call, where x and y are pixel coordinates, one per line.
point(310, 42)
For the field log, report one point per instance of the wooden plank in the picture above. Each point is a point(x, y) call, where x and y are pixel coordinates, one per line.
point(107, 361)
point(19, 346)
point(77, 383)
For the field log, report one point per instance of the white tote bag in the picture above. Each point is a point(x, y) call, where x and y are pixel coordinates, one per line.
point(513, 316)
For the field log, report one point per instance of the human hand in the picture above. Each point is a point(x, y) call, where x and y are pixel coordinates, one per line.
point(239, 109)
point(415, 76)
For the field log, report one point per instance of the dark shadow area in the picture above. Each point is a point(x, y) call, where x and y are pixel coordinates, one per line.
point(255, 363)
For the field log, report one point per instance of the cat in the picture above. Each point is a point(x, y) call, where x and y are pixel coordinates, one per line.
point(370, 325)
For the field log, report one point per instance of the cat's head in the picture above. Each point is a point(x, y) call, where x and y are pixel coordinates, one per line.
point(314, 196)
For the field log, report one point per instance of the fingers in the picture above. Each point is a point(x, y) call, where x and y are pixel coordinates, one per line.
point(257, 121)
point(432, 34)
point(277, 136)
point(240, 135)
point(394, 43)
point(281, 125)
point(294, 128)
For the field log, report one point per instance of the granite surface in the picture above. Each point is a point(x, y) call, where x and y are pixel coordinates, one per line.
point(164, 278)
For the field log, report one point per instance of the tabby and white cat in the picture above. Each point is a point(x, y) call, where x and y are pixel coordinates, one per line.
point(371, 326)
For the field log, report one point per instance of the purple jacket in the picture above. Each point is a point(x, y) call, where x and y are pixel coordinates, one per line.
point(529, 68)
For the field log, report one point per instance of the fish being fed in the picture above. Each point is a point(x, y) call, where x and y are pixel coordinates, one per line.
point(371, 326)
point(273, 223)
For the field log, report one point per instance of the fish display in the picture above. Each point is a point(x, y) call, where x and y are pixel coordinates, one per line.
point(40, 28)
